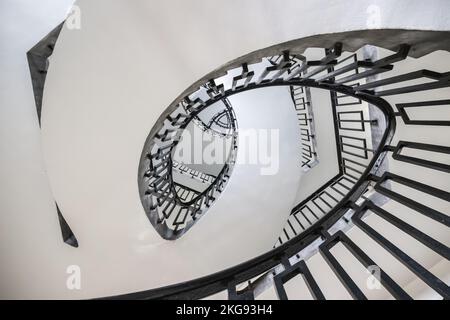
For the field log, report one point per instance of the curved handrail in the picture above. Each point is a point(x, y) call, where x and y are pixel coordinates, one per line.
point(180, 113)
point(228, 112)
point(211, 284)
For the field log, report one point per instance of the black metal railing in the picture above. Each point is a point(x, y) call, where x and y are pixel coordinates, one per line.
point(170, 215)
point(301, 97)
point(222, 123)
point(355, 194)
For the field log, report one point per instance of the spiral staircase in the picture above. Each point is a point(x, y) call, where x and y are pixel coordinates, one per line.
point(382, 221)
point(376, 177)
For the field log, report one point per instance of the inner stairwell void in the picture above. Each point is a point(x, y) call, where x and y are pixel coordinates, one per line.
point(373, 197)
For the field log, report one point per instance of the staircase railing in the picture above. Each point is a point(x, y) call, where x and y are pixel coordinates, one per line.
point(192, 173)
point(355, 148)
point(291, 258)
point(411, 153)
point(301, 98)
